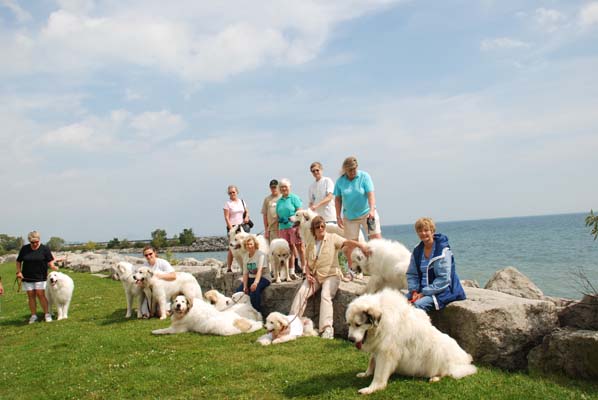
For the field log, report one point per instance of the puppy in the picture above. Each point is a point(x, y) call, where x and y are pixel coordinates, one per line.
point(240, 303)
point(401, 338)
point(283, 328)
point(280, 252)
point(386, 264)
point(59, 291)
point(123, 271)
point(195, 315)
point(158, 290)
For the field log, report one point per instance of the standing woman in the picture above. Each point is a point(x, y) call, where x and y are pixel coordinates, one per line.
point(431, 277)
point(286, 207)
point(255, 269)
point(233, 215)
point(32, 267)
point(321, 194)
point(354, 195)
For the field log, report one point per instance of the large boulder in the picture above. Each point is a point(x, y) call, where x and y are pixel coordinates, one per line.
point(496, 328)
point(510, 281)
point(582, 314)
point(569, 351)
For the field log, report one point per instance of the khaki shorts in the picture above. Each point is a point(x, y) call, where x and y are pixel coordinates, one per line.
point(352, 226)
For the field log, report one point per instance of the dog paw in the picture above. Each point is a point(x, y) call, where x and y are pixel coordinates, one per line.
point(277, 280)
point(362, 374)
point(163, 317)
point(366, 390)
point(434, 379)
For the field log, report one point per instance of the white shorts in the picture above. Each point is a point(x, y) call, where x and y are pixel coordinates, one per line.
point(29, 286)
point(352, 226)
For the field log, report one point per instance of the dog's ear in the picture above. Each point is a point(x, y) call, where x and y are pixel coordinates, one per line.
point(189, 302)
point(373, 315)
point(120, 268)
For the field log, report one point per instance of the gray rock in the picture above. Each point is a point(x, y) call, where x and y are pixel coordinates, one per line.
point(569, 351)
point(496, 328)
point(510, 281)
point(470, 283)
point(581, 314)
point(10, 258)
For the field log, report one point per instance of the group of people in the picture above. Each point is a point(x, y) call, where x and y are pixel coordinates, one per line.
point(431, 276)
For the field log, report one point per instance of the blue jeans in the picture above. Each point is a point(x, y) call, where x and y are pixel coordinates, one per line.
point(256, 297)
point(425, 303)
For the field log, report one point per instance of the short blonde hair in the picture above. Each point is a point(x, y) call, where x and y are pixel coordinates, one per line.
point(425, 223)
point(33, 235)
point(316, 164)
point(253, 239)
point(349, 163)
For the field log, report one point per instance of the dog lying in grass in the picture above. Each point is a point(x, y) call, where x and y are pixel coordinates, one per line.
point(239, 303)
point(283, 328)
point(196, 315)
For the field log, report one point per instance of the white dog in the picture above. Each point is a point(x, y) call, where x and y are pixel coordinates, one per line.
point(283, 328)
point(386, 264)
point(123, 271)
point(239, 303)
point(159, 290)
point(195, 315)
point(59, 291)
point(400, 338)
point(280, 252)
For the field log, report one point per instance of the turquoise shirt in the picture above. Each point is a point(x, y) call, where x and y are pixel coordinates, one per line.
point(354, 194)
point(285, 208)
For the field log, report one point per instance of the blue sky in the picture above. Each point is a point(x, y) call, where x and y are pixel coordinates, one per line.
point(117, 118)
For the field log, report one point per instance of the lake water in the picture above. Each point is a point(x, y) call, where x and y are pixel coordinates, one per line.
point(545, 248)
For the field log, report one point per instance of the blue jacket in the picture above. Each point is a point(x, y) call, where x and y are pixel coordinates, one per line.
point(443, 284)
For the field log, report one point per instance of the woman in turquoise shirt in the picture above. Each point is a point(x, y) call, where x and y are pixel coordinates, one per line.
point(286, 207)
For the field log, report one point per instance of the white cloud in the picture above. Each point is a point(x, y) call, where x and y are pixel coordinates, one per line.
point(502, 43)
point(548, 19)
point(20, 13)
point(198, 42)
point(589, 14)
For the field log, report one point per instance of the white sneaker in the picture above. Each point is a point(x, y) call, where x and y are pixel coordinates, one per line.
point(33, 319)
point(48, 317)
point(328, 333)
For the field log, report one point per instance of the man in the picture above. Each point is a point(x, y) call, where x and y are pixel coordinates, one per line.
point(269, 212)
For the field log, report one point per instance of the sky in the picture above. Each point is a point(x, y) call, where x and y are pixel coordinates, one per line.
point(121, 117)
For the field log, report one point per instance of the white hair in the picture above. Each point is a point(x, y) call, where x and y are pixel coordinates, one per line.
point(284, 182)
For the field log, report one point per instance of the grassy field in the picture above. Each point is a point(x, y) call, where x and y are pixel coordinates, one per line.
point(98, 354)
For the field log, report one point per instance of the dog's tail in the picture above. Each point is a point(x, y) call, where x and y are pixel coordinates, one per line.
point(458, 371)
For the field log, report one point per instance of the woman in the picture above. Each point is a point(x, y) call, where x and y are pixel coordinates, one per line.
point(32, 268)
point(320, 194)
point(432, 280)
point(235, 213)
point(322, 272)
point(254, 272)
point(286, 207)
point(160, 267)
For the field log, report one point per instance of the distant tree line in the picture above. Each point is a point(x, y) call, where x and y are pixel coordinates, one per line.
point(159, 239)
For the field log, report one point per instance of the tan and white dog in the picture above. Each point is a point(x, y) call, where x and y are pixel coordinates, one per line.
point(158, 291)
point(283, 328)
point(386, 264)
point(239, 303)
point(59, 291)
point(280, 252)
point(195, 315)
point(123, 271)
point(400, 338)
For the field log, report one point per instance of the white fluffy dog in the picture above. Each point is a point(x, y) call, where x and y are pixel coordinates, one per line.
point(283, 328)
point(195, 315)
point(280, 252)
point(239, 303)
point(386, 264)
point(159, 290)
point(400, 338)
point(59, 291)
point(123, 271)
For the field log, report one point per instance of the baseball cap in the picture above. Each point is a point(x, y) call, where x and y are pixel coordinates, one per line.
point(273, 182)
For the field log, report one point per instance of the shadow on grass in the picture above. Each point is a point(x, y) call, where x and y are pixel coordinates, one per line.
point(322, 384)
point(15, 322)
point(117, 317)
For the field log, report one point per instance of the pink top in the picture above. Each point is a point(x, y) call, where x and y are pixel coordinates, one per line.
point(235, 211)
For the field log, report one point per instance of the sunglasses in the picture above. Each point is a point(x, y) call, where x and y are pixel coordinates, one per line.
point(148, 254)
point(232, 192)
point(315, 170)
point(321, 226)
point(34, 242)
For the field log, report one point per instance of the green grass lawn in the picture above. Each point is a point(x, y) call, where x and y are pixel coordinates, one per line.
point(98, 354)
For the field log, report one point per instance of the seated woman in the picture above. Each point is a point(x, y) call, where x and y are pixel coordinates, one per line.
point(322, 272)
point(255, 270)
point(431, 277)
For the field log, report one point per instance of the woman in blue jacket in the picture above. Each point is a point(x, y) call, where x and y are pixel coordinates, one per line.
point(431, 277)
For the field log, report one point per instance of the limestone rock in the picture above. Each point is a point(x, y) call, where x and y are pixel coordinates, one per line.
point(470, 283)
point(510, 281)
point(582, 314)
point(496, 328)
point(569, 351)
